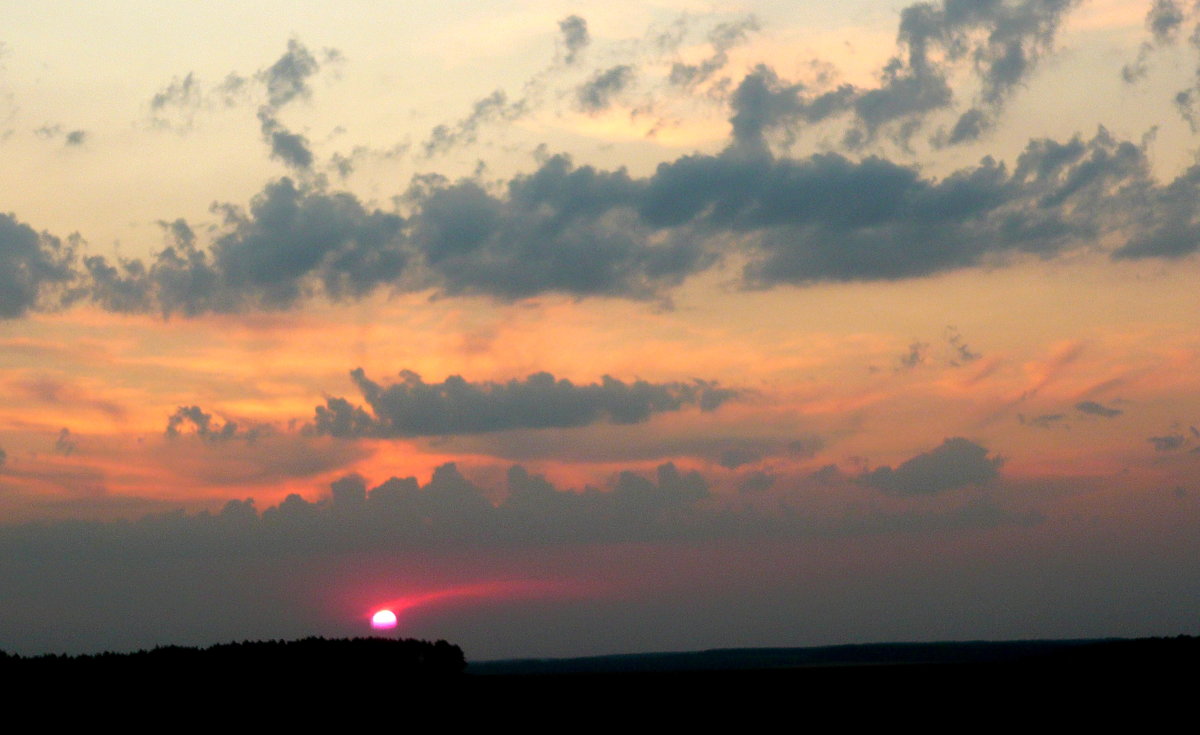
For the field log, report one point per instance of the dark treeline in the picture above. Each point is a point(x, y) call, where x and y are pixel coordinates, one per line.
point(287, 659)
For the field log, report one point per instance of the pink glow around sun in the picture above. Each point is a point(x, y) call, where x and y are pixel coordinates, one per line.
point(386, 614)
point(383, 620)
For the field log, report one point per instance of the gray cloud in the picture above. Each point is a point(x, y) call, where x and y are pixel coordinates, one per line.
point(1163, 20)
point(491, 108)
point(575, 37)
point(204, 426)
point(1168, 442)
point(599, 92)
point(287, 79)
point(957, 463)
point(290, 148)
point(413, 407)
point(70, 138)
point(292, 238)
point(962, 351)
point(1002, 41)
point(65, 444)
point(723, 37)
point(33, 265)
point(1097, 409)
point(561, 229)
point(1042, 421)
point(584, 231)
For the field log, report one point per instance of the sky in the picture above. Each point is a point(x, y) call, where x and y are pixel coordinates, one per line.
point(566, 330)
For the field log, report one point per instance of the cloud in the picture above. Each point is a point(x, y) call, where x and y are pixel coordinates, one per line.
point(64, 444)
point(413, 407)
point(33, 267)
point(1163, 20)
point(1042, 421)
point(292, 239)
point(204, 426)
point(575, 37)
point(584, 231)
point(962, 351)
point(598, 93)
point(1001, 43)
point(287, 79)
point(562, 229)
point(723, 37)
point(290, 148)
point(1168, 442)
point(1097, 409)
point(71, 138)
point(957, 463)
point(491, 108)
point(3, 457)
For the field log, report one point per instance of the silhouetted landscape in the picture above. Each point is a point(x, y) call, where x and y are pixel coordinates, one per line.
point(1082, 680)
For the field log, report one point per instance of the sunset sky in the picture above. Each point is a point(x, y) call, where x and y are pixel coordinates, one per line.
point(566, 329)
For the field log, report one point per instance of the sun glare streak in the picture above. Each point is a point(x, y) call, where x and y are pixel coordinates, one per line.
point(395, 608)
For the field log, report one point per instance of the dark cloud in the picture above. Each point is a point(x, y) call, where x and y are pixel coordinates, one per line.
point(723, 37)
point(413, 407)
point(292, 239)
point(65, 444)
point(584, 231)
point(575, 37)
point(491, 108)
point(762, 103)
point(1097, 409)
point(599, 92)
point(70, 138)
point(1168, 442)
point(957, 463)
point(561, 229)
point(3, 457)
point(962, 353)
point(204, 426)
point(290, 148)
point(1001, 41)
point(1163, 20)
point(34, 266)
point(914, 357)
point(287, 79)
point(756, 482)
point(1042, 421)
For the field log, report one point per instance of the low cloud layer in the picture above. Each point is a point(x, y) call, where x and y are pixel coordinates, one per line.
point(957, 463)
point(413, 407)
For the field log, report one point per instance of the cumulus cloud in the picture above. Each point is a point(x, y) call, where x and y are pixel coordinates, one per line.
point(585, 231)
point(1000, 42)
point(292, 239)
point(957, 463)
point(413, 407)
point(203, 425)
point(34, 266)
point(575, 37)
